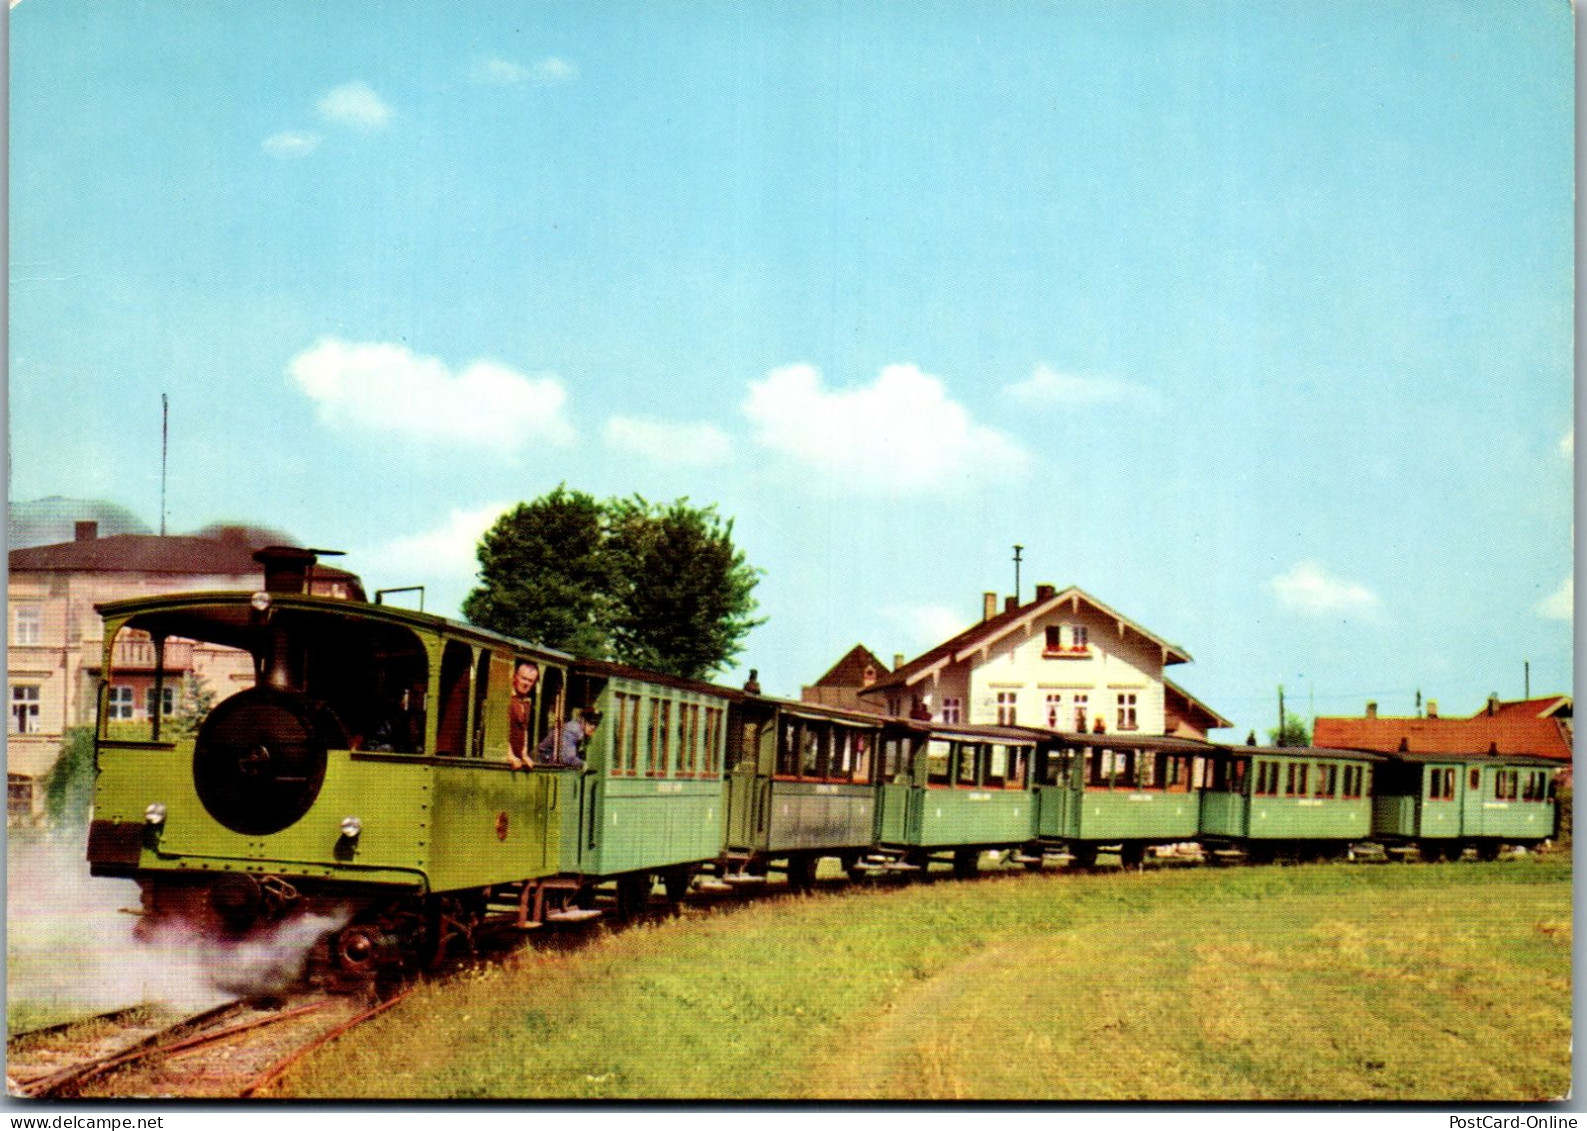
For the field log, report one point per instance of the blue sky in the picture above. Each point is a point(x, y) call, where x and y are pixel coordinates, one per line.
point(1253, 320)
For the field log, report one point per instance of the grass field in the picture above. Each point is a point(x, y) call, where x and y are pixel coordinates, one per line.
point(1333, 982)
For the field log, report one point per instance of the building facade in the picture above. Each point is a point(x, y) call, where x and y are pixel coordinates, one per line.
point(1063, 661)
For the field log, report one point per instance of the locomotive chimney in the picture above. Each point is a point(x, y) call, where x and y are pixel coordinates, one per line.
point(286, 568)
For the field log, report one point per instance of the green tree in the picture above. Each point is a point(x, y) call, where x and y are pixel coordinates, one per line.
point(69, 785)
point(544, 576)
point(683, 594)
point(192, 706)
point(658, 586)
point(1294, 732)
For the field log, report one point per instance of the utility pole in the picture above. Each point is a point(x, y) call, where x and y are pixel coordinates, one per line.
point(1526, 685)
point(1280, 741)
point(1017, 549)
point(165, 439)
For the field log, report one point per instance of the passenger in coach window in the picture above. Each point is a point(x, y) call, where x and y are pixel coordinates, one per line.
point(561, 748)
point(520, 713)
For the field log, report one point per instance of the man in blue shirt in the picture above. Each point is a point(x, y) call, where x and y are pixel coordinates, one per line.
point(561, 748)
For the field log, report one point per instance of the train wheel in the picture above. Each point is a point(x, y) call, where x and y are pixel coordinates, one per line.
point(1488, 850)
point(851, 865)
point(1131, 853)
point(802, 872)
point(677, 881)
point(966, 863)
point(1431, 851)
point(633, 894)
point(1260, 852)
point(1085, 855)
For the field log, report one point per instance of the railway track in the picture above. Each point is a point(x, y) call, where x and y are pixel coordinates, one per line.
point(233, 1050)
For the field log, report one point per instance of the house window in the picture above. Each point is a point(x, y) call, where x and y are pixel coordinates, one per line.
point(19, 796)
point(1082, 708)
point(167, 701)
point(1054, 706)
point(24, 708)
point(1079, 638)
point(952, 709)
point(29, 624)
point(1054, 639)
point(1007, 707)
point(120, 700)
point(1127, 710)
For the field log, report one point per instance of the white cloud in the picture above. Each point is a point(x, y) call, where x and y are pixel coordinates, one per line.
point(898, 435)
point(355, 104)
point(925, 626)
point(289, 144)
point(1308, 588)
point(387, 388)
point(502, 72)
point(665, 442)
point(447, 550)
point(1560, 604)
point(1046, 386)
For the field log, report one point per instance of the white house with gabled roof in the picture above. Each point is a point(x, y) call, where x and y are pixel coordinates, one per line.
point(1063, 661)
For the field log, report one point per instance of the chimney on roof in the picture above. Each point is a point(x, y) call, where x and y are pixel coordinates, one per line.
point(1493, 704)
point(1010, 604)
point(988, 606)
point(1046, 592)
point(1372, 710)
point(85, 530)
point(1432, 708)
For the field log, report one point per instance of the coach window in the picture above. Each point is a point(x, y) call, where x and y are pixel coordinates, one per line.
point(938, 754)
point(660, 738)
point(969, 755)
point(996, 766)
point(862, 759)
point(457, 661)
point(788, 749)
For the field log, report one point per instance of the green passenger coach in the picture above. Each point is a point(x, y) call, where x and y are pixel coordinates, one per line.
point(1306, 801)
point(1096, 791)
point(958, 790)
point(647, 803)
point(801, 786)
point(1446, 803)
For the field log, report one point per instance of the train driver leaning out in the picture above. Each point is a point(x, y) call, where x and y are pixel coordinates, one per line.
point(520, 713)
point(561, 748)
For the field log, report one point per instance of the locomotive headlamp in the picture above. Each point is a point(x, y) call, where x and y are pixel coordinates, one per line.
point(154, 814)
point(260, 601)
point(351, 827)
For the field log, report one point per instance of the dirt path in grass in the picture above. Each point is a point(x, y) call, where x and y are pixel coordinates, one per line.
point(913, 1048)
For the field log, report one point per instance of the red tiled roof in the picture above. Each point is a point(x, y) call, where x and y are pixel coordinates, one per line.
point(850, 670)
point(1522, 731)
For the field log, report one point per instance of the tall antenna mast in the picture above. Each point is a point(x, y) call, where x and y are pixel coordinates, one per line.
point(165, 440)
point(1017, 549)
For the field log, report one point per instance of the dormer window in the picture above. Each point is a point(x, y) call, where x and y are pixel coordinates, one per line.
point(1056, 646)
